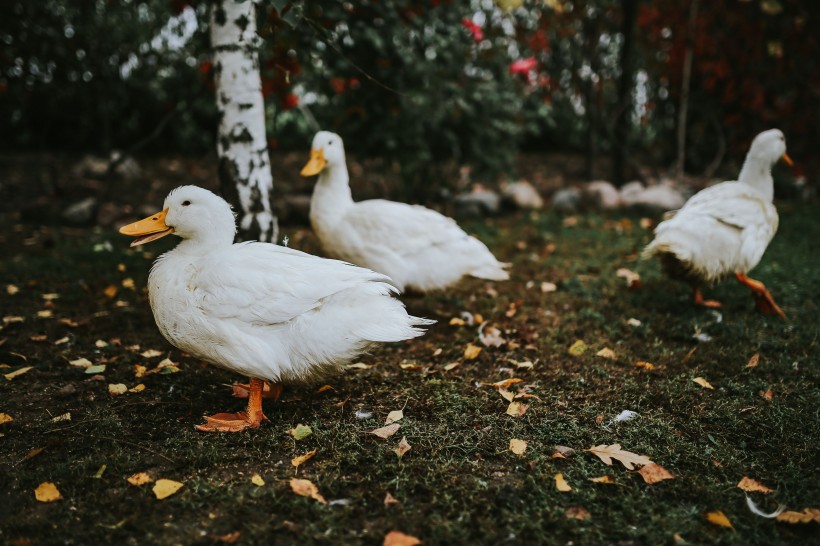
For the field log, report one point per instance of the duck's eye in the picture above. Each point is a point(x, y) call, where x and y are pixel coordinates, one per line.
point(186, 203)
point(329, 142)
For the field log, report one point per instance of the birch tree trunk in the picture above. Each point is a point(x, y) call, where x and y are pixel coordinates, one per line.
point(244, 166)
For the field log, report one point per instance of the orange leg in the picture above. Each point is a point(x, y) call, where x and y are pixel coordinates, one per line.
point(763, 298)
point(270, 390)
point(712, 304)
point(236, 422)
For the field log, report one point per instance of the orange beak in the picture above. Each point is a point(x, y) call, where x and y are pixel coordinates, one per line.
point(148, 229)
point(316, 164)
point(788, 160)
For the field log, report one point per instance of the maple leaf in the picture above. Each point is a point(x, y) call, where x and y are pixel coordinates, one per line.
point(518, 446)
point(386, 432)
point(165, 488)
point(654, 473)
point(306, 488)
point(751, 486)
point(302, 459)
point(719, 518)
point(628, 459)
point(561, 484)
point(397, 538)
point(403, 447)
point(47, 492)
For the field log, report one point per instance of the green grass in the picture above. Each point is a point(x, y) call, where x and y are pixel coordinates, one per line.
point(459, 484)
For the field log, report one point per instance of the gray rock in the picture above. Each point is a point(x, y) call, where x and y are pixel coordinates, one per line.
point(81, 212)
point(601, 195)
point(522, 194)
point(566, 200)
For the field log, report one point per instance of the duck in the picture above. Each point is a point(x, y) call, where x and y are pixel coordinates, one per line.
point(268, 312)
point(724, 230)
point(419, 248)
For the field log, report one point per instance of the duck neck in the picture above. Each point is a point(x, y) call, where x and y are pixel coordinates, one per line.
point(331, 196)
point(197, 247)
point(758, 174)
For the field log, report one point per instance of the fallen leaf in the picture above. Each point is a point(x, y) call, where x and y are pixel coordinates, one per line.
point(524, 364)
point(654, 473)
point(11, 319)
point(5, 418)
point(633, 280)
point(110, 291)
point(397, 538)
point(578, 348)
point(506, 383)
point(451, 365)
point(150, 353)
point(63, 340)
point(228, 538)
point(518, 446)
point(471, 352)
point(628, 459)
point(165, 488)
point(561, 484)
point(302, 459)
point(305, 488)
point(11, 289)
point(100, 471)
point(386, 432)
point(68, 322)
point(45, 313)
point(749, 485)
point(703, 383)
point(51, 296)
point(140, 370)
point(324, 388)
point(257, 480)
point(577, 512)
point(99, 368)
point(64, 417)
point(517, 409)
point(603, 479)
point(410, 366)
point(456, 321)
point(15, 373)
point(806, 516)
point(140, 478)
point(33, 453)
point(547, 287)
point(128, 283)
point(116, 389)
point(393, 416)
point(81, 362)
point(137, 388)
point(753, 362)
point(599, 419)
point(767, 395)
point(506, 395)
point(38, 338)
point(300, 432)
point(390, 500)
point(403, 447)
point(47, 492)
point(648, 366)
point(490, 336)
point(719, 518)
point(606, 352)
point(359, 366)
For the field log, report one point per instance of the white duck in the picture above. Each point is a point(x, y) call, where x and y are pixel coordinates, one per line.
point(724, 229)
point(258, 309)
point(416, 247)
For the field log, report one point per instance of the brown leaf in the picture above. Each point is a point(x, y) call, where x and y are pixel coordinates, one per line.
point(578, 348)
point(606, 352)
point(110, 291)
point(140, 478)
point(654, 473)
point(397, 538)
point(390, 500)
point(561, 484)
point(628, 459)
point(703, 383)
point(33, 453)
point(577, 512)
point(506, 395)
point(767, 395)
point(47, 492)
point(386, 432)
point(228, 538)
point(603, 479)
point(324, 388)
point(506, 383)
point(302, 459)
point(403, 447)
point(719, 518)
point(5, 418)
point(752, 486)
point(754, 361)
point(518, 446)
point(471, 352)
point(517, 409)
point(305, 488)
point(393, 416)
point(165, 488)
point(806, 516)
point(648, 366)
point(451, 365)
point(11, 375)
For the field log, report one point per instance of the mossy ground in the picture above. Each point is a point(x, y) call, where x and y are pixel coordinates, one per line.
point(459, 484)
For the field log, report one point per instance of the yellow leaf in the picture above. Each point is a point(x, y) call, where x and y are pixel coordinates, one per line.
point(703, 383)
point(81, 362)
point(257, 480)
point(471, 352)
point(386, 432)
point(806, 516)
point(165, 488)
point(654, 473)
point(506, 395)
point(15, 373)
point(137, 388)
point(603, 479)
point(393, 416)
point(517, 409)
point(150, 353)
point(506, 383)
point(140, 478)
point(128, 283)
point(561, 484)
point(300, 432)
point(305, 488)
point(753, 362)
point(455, 321)
point(397, 538)
point(302, 459)
point(719, 518)
point(606, 352)
point(450, 366)
point(403, 447)
point(577, 512)
point(628, 459)
point(518, 446)
point(5, 418)
point(648, 366)
point(139, 370)
point(116, 389)
point(578, 348)
point(751, 486)
point(47, 492)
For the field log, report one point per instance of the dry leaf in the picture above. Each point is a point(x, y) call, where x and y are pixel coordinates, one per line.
point(719, 518)
point(99, 368)
point(753, 362)
point(517, 409)
point(561, 484)
point(9, 319)
point(116, 389)
point(397, 538)
point(137, 388)
point(648, 366)
point(359, 366)
point(15, 373)
point(703, 383)
point(45, 313)
point(455, 321)
point(752, 486)
point(490, 336)
point(302, 459)
point(165, 488)
point(806, 516)
point(305, 488)
point(471, 352)
point(390, 500)
point(257, 480)
point(228, 538)
point(386, 432)
point(506, 395)
point(33, 453)
point(577, 512)
point(140, 370)
point(81, 362)
point(767, 395)
point(100, 344)
point(606, 352)
point(578, 348)
point(150, 353)
point(5, 418)
point(140, 478)
point(11, 289)
point(547, 287)
point(300, 432)
point(410, 366)
point(518, 446)
point(633, 280)
point(393, 416)
point(451, 365)
point(403, 447)
point(628, 459)
point(603, 479)
point(110, 291)
point(654, 473)
point(64, 417)
point(47, 492)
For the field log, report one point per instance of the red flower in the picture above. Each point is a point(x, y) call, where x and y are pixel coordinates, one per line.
point(290, 101)
point(524, 66)
point(476, 31)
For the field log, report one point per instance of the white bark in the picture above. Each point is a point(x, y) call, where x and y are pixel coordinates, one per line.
point(244, 165)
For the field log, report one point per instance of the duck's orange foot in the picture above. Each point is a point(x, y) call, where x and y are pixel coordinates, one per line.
point(230, 422)
point(763, 298)
point(269, 390)
point(711, 304)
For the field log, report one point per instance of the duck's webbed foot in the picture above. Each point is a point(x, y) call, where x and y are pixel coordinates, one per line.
point(711, 304)
point(269, 390)
point(236, 422)
point(764, 301)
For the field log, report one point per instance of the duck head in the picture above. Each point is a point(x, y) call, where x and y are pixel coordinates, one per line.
point(769, 147)
point(189, 212)
point(327, 151)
